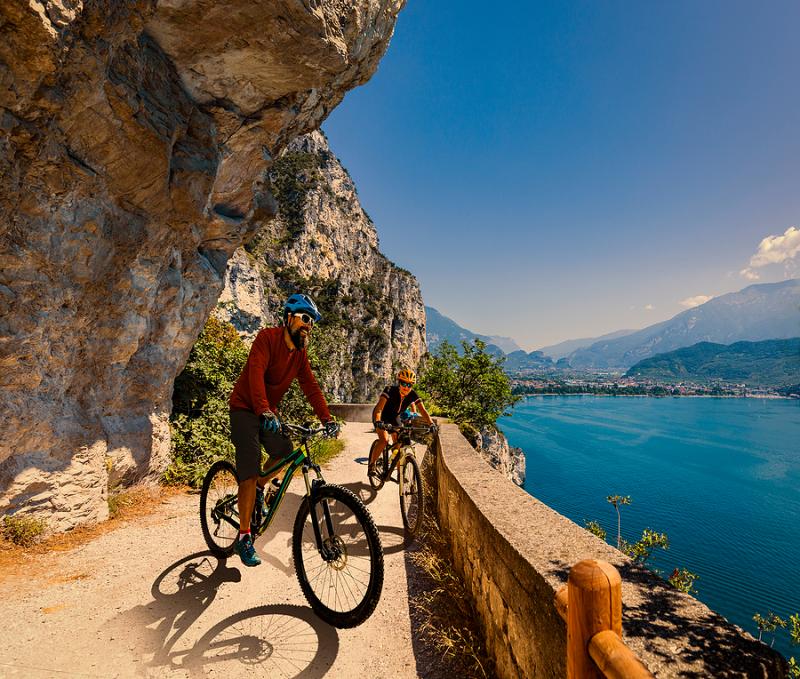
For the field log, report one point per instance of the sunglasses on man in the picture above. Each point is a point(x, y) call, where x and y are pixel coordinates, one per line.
point(308, 320)
point(406, 384)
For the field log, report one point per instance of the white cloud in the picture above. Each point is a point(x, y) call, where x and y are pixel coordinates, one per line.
point(773, 250)
point(749, 274)
point(697, 300)
point(648, 307)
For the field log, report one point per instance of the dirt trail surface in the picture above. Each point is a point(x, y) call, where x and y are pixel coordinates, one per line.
point(149, 600)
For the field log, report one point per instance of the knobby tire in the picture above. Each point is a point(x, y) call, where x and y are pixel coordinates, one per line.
point(361, 565)
point(412, 498)
point(219, 536)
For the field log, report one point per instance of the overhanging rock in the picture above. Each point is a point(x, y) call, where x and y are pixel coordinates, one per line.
point(135, 140)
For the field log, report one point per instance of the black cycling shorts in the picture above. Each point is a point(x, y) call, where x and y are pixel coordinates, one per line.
point(248, 438)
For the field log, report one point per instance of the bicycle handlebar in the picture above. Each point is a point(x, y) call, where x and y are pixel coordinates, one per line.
point(303, 433)
point(427, 429)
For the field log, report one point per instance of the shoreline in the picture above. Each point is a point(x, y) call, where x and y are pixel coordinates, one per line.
point(768, 397)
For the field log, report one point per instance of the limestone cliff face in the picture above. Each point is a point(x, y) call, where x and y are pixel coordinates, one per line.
point(323, 242)
point(136, 138)
point(509, 461)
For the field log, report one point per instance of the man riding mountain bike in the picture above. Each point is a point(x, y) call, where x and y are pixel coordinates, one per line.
point(277, 357)
point(393, 401)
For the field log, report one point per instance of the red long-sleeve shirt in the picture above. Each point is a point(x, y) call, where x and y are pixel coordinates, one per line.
point(269, 372)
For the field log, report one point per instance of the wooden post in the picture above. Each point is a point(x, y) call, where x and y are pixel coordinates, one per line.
point(595, 605)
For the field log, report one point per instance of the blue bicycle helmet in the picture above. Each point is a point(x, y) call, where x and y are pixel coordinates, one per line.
point(299, 303)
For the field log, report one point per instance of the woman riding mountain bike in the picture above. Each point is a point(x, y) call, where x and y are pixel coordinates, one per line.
point(395, 399)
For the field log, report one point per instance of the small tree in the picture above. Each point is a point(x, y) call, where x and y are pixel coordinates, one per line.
point(618, 501)
point(770, 623)
point(471, 388)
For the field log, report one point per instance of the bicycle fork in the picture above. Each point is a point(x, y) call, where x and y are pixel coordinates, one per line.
point(327, 548)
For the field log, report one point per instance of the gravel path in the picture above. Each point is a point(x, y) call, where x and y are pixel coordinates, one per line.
point(148, 600)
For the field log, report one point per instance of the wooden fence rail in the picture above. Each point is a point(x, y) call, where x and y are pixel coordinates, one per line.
point(591, 605)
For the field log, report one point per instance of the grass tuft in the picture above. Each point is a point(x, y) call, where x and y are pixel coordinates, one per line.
point(446, 618)
point(23, 531)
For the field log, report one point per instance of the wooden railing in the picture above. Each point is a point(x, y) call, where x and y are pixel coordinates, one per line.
point(591, 605)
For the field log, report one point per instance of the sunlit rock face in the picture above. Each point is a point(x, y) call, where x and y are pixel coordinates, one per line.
point(323, 243)
point(135, 139)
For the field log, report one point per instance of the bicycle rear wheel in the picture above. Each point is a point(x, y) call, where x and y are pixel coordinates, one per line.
point(344, 580)
point(219, 514)
point(412, 500)
point(377, 480)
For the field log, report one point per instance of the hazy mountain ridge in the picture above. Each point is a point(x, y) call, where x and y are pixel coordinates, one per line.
point(769, 363)
point(756, 313)
point(439, 328)
point(565, 348)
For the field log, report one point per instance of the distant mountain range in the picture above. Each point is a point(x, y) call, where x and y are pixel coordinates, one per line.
point(771, 363)
point(759, 312)
point(563, 349)
point(440, 328)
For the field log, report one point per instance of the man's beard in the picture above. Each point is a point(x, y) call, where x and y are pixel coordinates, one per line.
point(298, 339)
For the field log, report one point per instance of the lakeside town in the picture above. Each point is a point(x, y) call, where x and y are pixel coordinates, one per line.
point(612, 384)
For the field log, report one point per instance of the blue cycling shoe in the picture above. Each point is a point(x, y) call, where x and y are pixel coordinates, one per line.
point(247, 553)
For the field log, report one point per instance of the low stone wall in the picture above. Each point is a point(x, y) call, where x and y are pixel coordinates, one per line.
point(514, 552)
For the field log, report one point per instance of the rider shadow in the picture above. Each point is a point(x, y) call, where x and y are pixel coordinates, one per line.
point(362, 490)
point(279, 640)
point(180, 595)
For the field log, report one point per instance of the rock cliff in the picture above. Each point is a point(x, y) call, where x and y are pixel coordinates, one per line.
point(509, 461)
point(323, 242)
point(137, 138)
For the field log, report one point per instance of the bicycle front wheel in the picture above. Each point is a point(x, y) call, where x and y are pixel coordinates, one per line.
point(411, 496)
point(219, 514)
point(376, 480)
point(343, 580)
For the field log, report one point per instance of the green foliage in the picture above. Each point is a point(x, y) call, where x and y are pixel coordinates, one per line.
point(293, 175)
point(471, 388)
point(794, 631)
point(794, 669)
point(23, 530)
point(683, 580)
point(641, 550)
point(770, 623)
point(324, 450)
point(200, 422)
point(596, 529)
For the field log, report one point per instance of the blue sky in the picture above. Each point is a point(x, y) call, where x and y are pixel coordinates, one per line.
point(560, 170)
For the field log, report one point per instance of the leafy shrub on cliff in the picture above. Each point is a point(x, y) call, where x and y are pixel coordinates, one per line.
point(199, 421)
point(471, 388)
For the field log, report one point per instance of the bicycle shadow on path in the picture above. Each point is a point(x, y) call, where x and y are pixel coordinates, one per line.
point(280, 640)
point(288, 640)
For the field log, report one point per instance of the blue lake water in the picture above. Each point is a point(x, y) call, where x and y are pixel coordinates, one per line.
point(720, 476)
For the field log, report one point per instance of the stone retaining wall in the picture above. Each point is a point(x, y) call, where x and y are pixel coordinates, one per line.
point(514, 552)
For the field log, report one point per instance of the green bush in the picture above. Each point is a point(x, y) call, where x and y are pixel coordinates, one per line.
point(23, 530)
point(471, 388)
point(200, 423)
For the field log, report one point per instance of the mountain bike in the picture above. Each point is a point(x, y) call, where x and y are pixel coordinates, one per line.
point(409, 479)
point(336, 548)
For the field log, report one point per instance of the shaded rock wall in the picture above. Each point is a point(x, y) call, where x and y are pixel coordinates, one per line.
point(323, 242)
point(136, 139)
